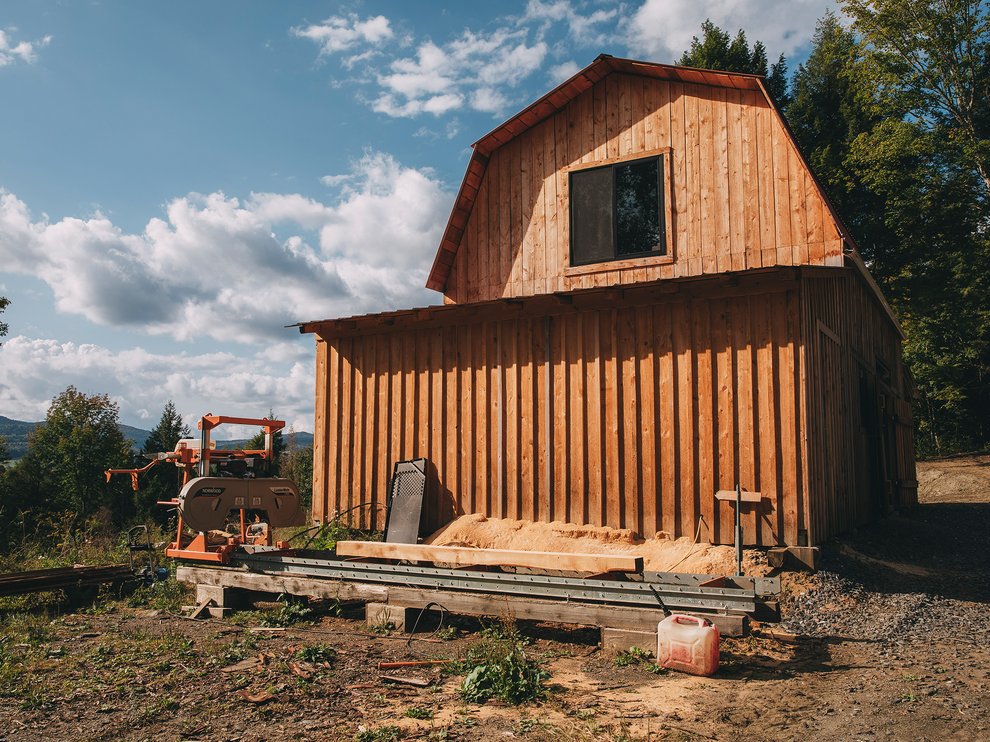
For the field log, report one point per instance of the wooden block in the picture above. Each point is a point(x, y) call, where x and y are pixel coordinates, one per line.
point(794, 557)
point(219, 597)
point(622, 640)
point(383, 614)
point(580, 614)
point(558, 561)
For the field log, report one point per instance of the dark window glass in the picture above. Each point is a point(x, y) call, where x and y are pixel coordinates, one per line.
point(616, 211)
point(637, 208)
point(591, 215)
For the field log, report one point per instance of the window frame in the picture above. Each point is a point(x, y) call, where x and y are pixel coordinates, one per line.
point(641, 260)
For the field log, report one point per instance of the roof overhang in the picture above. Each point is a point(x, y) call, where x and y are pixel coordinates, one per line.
point(762, 280)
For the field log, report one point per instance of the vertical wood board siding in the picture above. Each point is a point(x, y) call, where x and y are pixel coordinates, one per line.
point(846, 337)
point(630, 417)
point(742, 198)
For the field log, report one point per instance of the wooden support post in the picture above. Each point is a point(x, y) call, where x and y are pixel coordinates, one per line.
point(738, 498)
point(217, 601)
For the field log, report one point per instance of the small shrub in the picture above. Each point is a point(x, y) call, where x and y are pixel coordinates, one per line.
point(418, 712)
point(382, 628)
point(448, 633)
point(317, 653)
point(499, 668)
point(501, 628)
point(632, 656)
point(287, 614)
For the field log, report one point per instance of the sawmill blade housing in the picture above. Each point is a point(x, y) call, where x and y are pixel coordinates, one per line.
point(206, 502)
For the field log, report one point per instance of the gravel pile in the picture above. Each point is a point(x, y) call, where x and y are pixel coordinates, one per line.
point(837, 606)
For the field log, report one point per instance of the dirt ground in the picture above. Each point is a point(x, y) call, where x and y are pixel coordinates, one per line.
point(894, 644)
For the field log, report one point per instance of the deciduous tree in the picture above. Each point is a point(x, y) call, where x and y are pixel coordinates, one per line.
point(78, 442)
point(935, 56)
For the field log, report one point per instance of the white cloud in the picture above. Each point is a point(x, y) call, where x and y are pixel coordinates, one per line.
point(482, 70)
point(476, 69)
point(23, 51)
point(341, 33)
point(660, 30)
point(216, 267)
point(583, 28)
point(563, 71)
point(37, 369)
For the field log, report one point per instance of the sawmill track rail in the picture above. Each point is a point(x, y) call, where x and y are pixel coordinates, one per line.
point(675, 591)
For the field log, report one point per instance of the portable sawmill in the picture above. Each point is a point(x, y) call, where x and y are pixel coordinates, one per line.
point(223, 502)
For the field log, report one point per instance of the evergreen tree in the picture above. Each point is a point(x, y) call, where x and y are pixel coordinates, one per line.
point(912, 201)
point(296, 463)
point(716, 50)
point(164, 481)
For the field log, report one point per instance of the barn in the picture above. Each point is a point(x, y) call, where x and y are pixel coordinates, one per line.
point(648, 298)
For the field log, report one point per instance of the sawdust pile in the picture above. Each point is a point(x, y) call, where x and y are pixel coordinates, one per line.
point(660, 554)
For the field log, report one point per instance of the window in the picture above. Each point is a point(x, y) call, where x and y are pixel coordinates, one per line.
point(617, 211)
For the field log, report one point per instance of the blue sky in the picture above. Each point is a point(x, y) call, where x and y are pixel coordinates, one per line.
point(180, 180)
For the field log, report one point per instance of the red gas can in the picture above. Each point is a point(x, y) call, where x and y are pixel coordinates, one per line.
point(688, 644)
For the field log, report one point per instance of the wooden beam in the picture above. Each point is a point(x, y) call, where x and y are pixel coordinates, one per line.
point(459, 555)
point(317, 588)
point(477, 604)
point(558, 611)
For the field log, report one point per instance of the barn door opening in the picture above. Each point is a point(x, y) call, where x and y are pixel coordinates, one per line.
point(832, 452)
point(870, 469)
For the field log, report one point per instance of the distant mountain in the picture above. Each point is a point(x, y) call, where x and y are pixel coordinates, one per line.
point(16, 433)
point(136, 436)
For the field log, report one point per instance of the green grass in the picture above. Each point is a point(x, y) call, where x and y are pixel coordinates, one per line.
point(285, 614)
point(167, 595)
point(418, 712)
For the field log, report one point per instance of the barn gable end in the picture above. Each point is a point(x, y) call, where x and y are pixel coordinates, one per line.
point(738, 193)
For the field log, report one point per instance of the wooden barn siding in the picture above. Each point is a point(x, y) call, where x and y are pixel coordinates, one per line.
point(629, 417)
point(741, 195)
point(843, 330)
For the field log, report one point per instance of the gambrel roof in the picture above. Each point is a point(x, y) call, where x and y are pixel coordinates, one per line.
point(558, 98)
